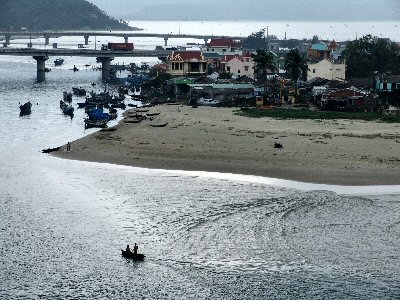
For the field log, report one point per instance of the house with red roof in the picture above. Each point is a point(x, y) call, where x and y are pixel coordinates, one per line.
point(224, 46)
point(187, 63)
point(238, 65)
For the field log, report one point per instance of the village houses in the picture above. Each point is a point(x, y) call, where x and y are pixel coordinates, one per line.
point(238, 65)
point(187, 63)
point(326, 62)
point(224, 46)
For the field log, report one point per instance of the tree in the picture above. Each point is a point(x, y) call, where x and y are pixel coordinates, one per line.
point(256, 40)
point(295, 66)
point(264, 61)
point(369, 54)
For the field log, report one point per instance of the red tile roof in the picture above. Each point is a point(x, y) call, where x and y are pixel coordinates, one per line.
point(185, 55)
point(224, 42)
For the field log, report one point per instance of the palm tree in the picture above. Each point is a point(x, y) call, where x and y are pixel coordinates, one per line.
point(295, 66)
point(264, 61)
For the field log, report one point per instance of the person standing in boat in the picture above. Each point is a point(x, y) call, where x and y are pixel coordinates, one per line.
point(127, 248)
point(135, 249)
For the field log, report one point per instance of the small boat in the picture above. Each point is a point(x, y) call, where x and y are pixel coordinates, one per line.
point(159, 125)
point(133, 121)
point(153, 114)
point(138, 256)
point(25, 109)
point(79, 91)
point(58, 62)
point(67, 109)
point(67, 96)
point(48, 150)
point(96, 123)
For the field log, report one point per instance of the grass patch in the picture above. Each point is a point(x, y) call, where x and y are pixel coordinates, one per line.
point(284, 113)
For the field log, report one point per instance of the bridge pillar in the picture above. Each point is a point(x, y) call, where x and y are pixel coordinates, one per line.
point(205, 41)
point(46, 40)
point(126, 39)
point(41, 67)
point(166, 41)
point(105, 66)
point(86, 39)
point(7, 42)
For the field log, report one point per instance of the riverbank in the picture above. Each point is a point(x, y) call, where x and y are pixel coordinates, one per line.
point(343, 152)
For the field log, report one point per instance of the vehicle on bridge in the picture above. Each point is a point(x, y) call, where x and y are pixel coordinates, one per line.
point(118, 46)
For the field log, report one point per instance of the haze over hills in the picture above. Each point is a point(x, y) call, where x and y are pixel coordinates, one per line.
point(293, 10)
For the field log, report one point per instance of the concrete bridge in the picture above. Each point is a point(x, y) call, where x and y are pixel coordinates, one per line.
point(86, 34)
point(105, 56)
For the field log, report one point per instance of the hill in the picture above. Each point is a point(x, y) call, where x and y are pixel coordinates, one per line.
point(55, 15)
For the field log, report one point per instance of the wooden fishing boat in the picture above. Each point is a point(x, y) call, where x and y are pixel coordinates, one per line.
point(159, 125)
point(138, 256)
point(25, 109)
point(96, 123)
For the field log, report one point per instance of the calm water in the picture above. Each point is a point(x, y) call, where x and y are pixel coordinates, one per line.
point(206, 236)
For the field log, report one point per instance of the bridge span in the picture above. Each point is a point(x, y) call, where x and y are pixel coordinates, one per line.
point(126, 35)
point(104, 56)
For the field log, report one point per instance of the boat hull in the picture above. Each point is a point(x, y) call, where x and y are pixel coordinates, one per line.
point(138, 257)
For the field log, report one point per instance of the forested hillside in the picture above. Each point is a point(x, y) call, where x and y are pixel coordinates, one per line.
point(55, 14)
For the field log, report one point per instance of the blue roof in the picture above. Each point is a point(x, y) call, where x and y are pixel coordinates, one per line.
point(320, 47)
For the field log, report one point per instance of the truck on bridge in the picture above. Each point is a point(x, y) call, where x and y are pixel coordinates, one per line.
point(118, 46)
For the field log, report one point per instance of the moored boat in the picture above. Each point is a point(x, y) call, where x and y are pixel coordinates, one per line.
point(26, 108)
point(96, 123)
point(58, 62)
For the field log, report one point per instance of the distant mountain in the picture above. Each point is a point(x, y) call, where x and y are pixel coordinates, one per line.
point(55, 14)
point(264, 10)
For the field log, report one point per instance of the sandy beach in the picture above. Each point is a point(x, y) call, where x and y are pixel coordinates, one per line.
point(343, 152)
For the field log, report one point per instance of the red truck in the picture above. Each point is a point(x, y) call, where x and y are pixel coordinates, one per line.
point(119, 46)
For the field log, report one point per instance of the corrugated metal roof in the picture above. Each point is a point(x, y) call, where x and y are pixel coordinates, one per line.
point(320, 47)
point(224, 85)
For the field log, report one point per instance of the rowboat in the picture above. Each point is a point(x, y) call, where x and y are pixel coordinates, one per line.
point(138, 256)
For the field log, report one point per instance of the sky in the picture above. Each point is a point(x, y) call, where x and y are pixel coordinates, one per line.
point(258, 10)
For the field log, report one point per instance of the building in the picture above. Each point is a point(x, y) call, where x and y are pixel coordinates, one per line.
point(327, 69)
point(224, 46)
point(187, 63)
point(387, 83)
point(321, 50)
point(348, 99)
point(238, 65)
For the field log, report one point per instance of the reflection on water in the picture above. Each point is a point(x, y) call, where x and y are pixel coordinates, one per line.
point(205, 237)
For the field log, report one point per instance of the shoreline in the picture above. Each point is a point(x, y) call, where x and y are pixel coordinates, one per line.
point(338, 152)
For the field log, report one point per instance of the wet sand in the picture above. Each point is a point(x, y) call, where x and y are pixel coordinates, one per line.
point(344, 152)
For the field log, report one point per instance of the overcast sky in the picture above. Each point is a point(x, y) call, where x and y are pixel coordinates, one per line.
point(309, 10)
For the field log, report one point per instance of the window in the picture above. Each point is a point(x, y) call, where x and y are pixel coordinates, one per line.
point(313, 70)
point(247, 60)
point(223, 50)
point(228, 69)
point(238, 71)
point(246, 68)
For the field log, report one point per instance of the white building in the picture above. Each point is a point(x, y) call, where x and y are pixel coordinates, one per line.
point(238, 65)
point(224, 46)
point(328, 69)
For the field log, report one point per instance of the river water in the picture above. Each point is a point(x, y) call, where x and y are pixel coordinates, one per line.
point(205, 235)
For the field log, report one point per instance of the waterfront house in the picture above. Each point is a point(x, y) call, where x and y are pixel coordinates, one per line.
point(224, 46)
point(238, 65)
point(327, 68)
point(187, 63)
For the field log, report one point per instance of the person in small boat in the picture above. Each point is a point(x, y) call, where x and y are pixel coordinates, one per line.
point(135, 249)
point(128, 249)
